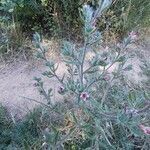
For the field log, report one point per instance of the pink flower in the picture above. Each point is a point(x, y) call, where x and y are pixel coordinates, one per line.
point(145, 129)
point(133, 35)
point(106, 77)
point(61, 90)
point(84, 96)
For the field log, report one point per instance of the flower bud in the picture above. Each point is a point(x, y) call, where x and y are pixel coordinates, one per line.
point(106, 78)
point(61, 90)
point(84, 96)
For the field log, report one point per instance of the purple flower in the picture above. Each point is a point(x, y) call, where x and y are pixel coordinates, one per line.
point(133, 35)
point(61, 89)
point(84, 96)
point(107, 77)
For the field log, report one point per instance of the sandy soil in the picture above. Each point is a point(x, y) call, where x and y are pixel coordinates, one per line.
point(16, 82)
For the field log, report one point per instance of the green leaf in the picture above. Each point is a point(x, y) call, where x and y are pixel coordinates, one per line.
point(121, 59)
point(26, 145)
point(102, 63)
point(49, 64)
point(74, 117)
point(70, 62)
point(37, 37)
point(135, 130)
point(67, 49)
point(122, 118)
point(92, 70)
point(39, 55)
point(132, 96)
point(48, 74)
point(37, 79)
point(50, 91)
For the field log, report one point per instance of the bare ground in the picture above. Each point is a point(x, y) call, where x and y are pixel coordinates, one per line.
point(16, 82)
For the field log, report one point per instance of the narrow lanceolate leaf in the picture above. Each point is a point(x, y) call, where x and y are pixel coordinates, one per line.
point(37, 37)
point(63, 77)
point(49, 64)
point(74, 117)
point(49, 91)
point(92, 70)
point(103, 6)
point(26, 145)
point(121, 59)
point(48, 74)
point(135, 130)
point(37, 79)
point(132, 96)
point(101, 63)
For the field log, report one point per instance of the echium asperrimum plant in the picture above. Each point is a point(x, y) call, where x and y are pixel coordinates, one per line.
point(107, 113)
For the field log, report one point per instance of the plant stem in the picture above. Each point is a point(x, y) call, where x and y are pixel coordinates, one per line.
point(106, 91)
point(81, 74)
